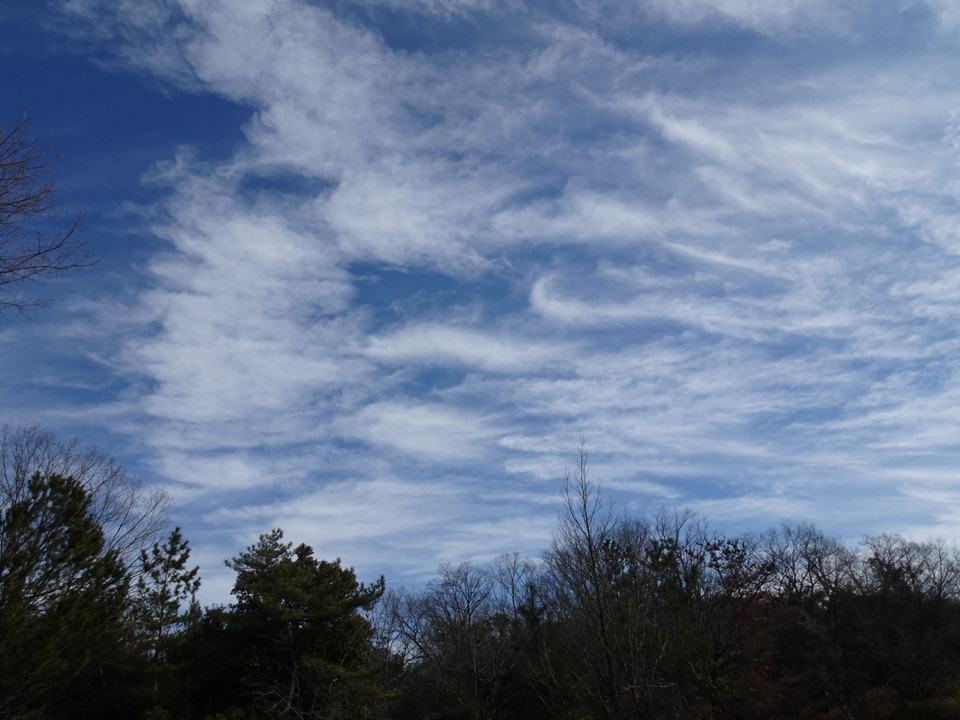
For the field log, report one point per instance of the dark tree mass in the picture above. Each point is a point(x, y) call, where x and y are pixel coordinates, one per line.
point(641, 617)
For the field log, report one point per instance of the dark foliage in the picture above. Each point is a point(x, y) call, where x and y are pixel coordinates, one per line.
point(624, 617)
point(62, 600)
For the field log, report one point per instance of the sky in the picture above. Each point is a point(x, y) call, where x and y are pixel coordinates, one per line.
point(371, 270)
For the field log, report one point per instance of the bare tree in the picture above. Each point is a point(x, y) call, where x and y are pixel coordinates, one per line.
point(578, 565)
point(512, 576)
point(629, 592)
point(131, 514)
point(808, 568)
point(908, 613)
point(34, 244)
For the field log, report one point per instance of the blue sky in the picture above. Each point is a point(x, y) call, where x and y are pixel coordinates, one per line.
point(372, 269)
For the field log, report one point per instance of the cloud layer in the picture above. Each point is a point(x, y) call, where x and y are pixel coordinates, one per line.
point(718, 239)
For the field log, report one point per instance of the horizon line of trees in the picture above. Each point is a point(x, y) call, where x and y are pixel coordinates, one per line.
point(622, 616)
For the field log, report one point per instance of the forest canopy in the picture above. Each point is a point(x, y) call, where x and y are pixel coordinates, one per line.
point(640, 616)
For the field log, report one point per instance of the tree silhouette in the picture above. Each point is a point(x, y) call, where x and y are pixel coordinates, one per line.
point(34, 244)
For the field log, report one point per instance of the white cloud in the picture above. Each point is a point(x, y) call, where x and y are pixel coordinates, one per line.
point(770, 18)
point(433, 344)
point(946, 12)
point(431, 432)
point(734, 272)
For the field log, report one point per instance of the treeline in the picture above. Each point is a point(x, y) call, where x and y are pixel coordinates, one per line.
point(656, 617)
point(621, 617)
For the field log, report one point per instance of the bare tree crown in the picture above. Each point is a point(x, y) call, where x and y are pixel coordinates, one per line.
point(35, 244)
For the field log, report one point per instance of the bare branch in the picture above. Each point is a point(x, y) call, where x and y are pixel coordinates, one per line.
point(132, 514)
point(34, 244)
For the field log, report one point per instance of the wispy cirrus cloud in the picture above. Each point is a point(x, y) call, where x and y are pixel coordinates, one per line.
point(449, 345)
point(447, 250)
